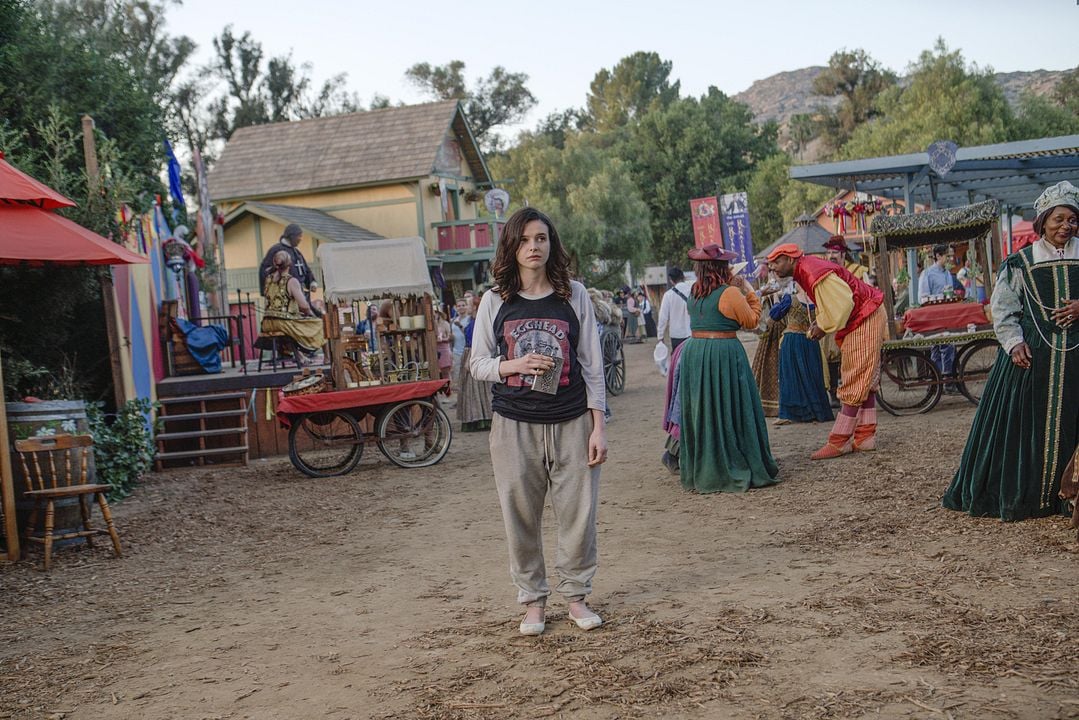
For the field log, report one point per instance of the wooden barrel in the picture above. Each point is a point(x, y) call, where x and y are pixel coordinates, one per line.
point(39, 418)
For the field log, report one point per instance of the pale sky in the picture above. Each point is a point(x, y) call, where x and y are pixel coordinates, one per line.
point(561, 45)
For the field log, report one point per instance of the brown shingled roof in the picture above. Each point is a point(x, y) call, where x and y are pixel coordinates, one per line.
point(339, 151)
point(322, 225)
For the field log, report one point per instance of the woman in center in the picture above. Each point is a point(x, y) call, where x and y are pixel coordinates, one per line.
point(724, 440)
point(535, 339)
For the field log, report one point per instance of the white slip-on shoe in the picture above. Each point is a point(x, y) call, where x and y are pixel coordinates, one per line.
point(588, 622)
point(528, 628)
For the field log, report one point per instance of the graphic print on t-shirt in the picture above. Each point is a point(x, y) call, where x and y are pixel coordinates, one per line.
point(537, 335)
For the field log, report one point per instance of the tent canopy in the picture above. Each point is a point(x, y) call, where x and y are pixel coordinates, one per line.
point(35, 237)
point(374, 268)
point(1012, 173)
point(951, 225)
point(18, 188)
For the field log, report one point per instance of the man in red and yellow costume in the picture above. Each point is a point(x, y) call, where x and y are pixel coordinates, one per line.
point(854, 311)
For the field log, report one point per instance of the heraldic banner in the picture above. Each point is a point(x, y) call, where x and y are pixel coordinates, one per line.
point(705, 214)
point(736, 235)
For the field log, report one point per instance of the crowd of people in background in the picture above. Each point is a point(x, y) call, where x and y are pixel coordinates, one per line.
point(526, 362)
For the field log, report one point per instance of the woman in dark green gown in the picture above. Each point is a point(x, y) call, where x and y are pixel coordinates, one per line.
point(724, 440)
point(1027, 425)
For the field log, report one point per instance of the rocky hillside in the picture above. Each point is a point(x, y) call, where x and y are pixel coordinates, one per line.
point(790, 93)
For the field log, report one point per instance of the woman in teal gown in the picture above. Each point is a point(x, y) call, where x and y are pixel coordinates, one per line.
point(1027, 425)
point(724, 440)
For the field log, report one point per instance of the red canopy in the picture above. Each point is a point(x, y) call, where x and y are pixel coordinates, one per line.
point(1023, 234)
point(30, 235)
point(19, 189)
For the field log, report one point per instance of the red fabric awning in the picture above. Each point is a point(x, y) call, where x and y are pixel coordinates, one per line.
point(1022, 235)
point(32, 236)
point(19, 189)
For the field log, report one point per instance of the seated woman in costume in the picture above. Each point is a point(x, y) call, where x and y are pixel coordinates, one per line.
point(287, 310)
point(1026, 428)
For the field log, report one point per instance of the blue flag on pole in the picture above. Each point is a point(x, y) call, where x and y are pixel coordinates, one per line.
point(734, 210)
point(175, 189)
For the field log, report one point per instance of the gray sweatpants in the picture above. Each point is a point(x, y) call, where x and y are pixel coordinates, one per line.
point(532, 460)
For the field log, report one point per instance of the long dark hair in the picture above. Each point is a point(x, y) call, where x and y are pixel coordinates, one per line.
point(710, 275)
point(506, 274)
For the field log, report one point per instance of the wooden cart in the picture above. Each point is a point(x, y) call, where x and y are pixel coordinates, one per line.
point(910, 382)
point(385, 375)
point(328, 431)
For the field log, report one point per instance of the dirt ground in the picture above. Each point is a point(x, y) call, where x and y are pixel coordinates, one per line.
point(843, 592)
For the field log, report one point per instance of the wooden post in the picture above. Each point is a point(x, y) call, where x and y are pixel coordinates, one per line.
point(89, 152)
point(7, 487)
point(884, 280)
point(113, 333)
point(430, 339)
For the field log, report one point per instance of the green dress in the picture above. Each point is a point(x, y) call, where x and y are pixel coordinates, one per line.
point(724, 443)
point(1027, 424)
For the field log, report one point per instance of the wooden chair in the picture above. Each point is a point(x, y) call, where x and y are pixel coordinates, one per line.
point(55, 467)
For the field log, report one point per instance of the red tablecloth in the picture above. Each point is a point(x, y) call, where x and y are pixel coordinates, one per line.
point(359, 397)
point(947, 316)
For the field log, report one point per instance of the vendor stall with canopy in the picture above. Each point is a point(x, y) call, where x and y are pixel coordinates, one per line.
point(34, 235)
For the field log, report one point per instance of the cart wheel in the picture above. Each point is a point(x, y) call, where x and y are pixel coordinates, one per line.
point(324, 444)
point(614, 363)
point(909, 382)
point(414, 433)
point(973, 366)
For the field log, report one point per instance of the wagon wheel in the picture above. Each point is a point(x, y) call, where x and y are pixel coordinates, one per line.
point(973, 366)
point(414, 433)
point(324, 444)
point(909, 382)
point(614, 363)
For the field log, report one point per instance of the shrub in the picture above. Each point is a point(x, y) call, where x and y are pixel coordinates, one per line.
point(123, 445)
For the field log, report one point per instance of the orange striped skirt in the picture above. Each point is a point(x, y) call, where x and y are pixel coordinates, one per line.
point(860, 360)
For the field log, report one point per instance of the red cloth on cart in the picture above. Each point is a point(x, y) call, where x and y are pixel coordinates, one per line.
point(356, 398)
point(946, 316)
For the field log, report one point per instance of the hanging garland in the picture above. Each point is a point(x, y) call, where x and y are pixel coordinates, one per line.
point(853, 214)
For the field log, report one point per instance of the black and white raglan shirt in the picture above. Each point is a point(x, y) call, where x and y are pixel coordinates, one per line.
point(550, 326)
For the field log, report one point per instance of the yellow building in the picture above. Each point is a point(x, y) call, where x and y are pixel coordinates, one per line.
point(394, 172)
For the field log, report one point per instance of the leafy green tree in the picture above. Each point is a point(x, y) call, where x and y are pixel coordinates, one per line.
point(765, 192)
point(944, 100)
point(692, 148)
point(858, 79)
point(801, 129)
point(557, 126)
point(798, 198)
point(502, 98)
point(55, 65)
point(589, 194)
point(1066, 92)
point(1038, 116)
point(256, 92)
point(637, 84)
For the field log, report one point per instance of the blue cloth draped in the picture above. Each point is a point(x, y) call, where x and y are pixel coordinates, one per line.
point(204, 343)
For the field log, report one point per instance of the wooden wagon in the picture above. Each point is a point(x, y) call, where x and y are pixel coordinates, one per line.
point(910, 381)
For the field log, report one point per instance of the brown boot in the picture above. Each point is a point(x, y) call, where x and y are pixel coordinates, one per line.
point(839, 440)
point(865, 434)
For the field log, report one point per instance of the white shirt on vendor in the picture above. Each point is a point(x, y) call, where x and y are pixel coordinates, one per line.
point(674, 311)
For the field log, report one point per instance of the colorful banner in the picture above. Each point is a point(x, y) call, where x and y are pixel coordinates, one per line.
point(705, 215)
point(736, 234)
